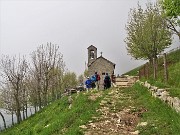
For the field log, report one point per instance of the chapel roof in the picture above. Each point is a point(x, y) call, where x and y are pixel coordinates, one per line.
point(104, 59)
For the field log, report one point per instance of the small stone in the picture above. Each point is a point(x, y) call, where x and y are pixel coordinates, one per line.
point(135, 132)
point(142, 124)
point(83, 127)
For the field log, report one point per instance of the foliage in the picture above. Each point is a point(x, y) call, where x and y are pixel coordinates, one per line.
point(147, 32)
point(70, 80)
point(172, 14)
point(81, 79)
point(172, 7)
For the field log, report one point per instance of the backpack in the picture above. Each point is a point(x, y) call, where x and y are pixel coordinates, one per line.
point(107, 78)
point(93, 78)
point(98, 77)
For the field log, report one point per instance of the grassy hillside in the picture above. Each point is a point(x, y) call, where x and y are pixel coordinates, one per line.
point(133, 105)
point(173, 61)
point(57, 118)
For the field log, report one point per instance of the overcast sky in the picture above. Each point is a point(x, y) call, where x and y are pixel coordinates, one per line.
point(73, 25)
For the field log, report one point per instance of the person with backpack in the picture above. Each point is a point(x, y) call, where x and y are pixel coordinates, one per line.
point(93, 81)
point(107, 81)
point(88, 84)
point(97, 80)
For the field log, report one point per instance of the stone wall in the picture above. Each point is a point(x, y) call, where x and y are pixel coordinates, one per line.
point(163, 94)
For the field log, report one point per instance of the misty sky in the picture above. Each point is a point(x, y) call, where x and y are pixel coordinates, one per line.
point(73, 25)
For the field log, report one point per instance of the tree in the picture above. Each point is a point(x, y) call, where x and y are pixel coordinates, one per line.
point(81, 79)
point(3, 120)
point(14, 72)
point(172, 14)
point(147, 32)
point(70, 80)
point(48, 65)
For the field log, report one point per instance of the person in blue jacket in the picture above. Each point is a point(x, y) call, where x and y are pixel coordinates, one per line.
point(93, 81)
point(88, 84)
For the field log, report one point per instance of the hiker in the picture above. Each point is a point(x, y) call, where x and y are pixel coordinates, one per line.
point(107, 81)
point(93, 81)
point(88, 84)
point(97, 80)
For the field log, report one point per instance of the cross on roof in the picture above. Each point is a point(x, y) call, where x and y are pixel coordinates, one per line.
point(101, 53)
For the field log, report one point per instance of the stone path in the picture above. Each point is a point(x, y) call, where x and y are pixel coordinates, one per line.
point(117, 117)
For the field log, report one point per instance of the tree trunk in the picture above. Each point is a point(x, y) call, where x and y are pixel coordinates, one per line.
point(3, 120)
point(35, 108)
point(154, 68)
point(26, 110)
point(24, 113)
point(12, 118)
point(147, 70)
point(39, 99)
point(18, 115)
point(18, 111)
point(165, 69)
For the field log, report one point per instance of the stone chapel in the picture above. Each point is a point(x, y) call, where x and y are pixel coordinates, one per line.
point(99, 64)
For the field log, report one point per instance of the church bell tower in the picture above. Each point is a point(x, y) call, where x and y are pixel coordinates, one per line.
point(92, 54)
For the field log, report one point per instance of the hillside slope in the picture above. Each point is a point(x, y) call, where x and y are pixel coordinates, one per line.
point(114, 111)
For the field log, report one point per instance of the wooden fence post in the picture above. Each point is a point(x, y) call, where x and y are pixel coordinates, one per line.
point(147, 70)
point(165, 69)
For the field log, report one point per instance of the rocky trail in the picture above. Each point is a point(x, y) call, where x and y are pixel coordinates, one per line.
point(117, 115)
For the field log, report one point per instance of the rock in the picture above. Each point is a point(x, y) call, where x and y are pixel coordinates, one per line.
point(142, 124)
point(154, 88)
point(147, 85)
point(135, 132)
point(83, 127)
point(170, 101)
point(46, 126)
point(164, 96)
point(176, 103)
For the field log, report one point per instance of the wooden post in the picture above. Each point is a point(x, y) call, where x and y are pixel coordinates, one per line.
point(144, 70)
point(139, 73)
point(165, 69)
point(147, 70)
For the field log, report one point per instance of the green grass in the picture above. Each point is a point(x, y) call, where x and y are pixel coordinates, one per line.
point(57, 118)
point(161, 119)
point(133, 72)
